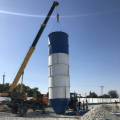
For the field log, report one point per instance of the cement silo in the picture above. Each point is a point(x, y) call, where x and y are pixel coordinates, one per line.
point(59, 79)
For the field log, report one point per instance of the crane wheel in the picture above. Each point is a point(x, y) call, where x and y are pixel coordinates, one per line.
point(14, 110)
point(33, 109)
point(24, 110)
point(43, 108)
point(15, 95)
point(75, 107)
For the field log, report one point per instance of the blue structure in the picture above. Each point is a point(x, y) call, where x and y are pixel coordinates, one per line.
point(81, 112)
point(59, 79)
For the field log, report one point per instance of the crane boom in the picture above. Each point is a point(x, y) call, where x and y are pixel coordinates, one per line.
point(31, 50)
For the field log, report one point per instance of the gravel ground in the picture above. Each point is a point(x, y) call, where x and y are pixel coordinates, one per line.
point(36, 115)
point(49, 115)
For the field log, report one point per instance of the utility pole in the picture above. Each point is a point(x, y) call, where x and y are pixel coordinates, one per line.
point(79, 101)
point(102, 92)
point(3, 81)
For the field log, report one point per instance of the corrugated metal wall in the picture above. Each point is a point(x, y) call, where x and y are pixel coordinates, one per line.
point(99, 100)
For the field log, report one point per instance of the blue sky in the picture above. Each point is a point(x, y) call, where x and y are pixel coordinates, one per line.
point(94, 42)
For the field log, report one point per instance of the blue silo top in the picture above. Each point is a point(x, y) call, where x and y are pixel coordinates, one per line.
point(58, 42)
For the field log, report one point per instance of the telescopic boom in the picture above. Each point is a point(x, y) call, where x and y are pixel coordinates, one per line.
point(31, 50)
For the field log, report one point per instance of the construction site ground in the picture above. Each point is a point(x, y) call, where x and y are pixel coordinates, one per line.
point(48, 115)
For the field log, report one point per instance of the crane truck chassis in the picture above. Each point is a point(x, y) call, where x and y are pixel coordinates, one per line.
point(19, 102)
point(22, 107)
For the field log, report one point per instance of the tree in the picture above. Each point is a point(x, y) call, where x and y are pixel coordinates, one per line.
point(100, 96)
point(28, 90)
point(93, 95)
point(106, 96)
point(88, 96)
point(113, 94)
point(90, 93)
point(6, 87)
point(32, 91)
point(35, 90)
point(81, 97)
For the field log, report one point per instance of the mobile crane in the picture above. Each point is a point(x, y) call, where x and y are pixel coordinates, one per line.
point(19, 100)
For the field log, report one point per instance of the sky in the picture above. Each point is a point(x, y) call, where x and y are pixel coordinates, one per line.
point(93, 27)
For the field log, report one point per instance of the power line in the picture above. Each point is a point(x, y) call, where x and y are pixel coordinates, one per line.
point(28, 77)
point(37, 80)
point(34, 79)
point(83, 86)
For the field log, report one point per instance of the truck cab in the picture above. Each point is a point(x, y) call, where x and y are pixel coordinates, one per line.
point(43, 98)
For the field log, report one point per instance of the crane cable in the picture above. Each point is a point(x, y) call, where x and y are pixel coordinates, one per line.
point(54, 26)
point(58, 20)
point(57, 15)
point(58, 24)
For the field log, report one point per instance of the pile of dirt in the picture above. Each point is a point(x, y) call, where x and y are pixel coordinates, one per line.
point(99, 113)
point(111, 108)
